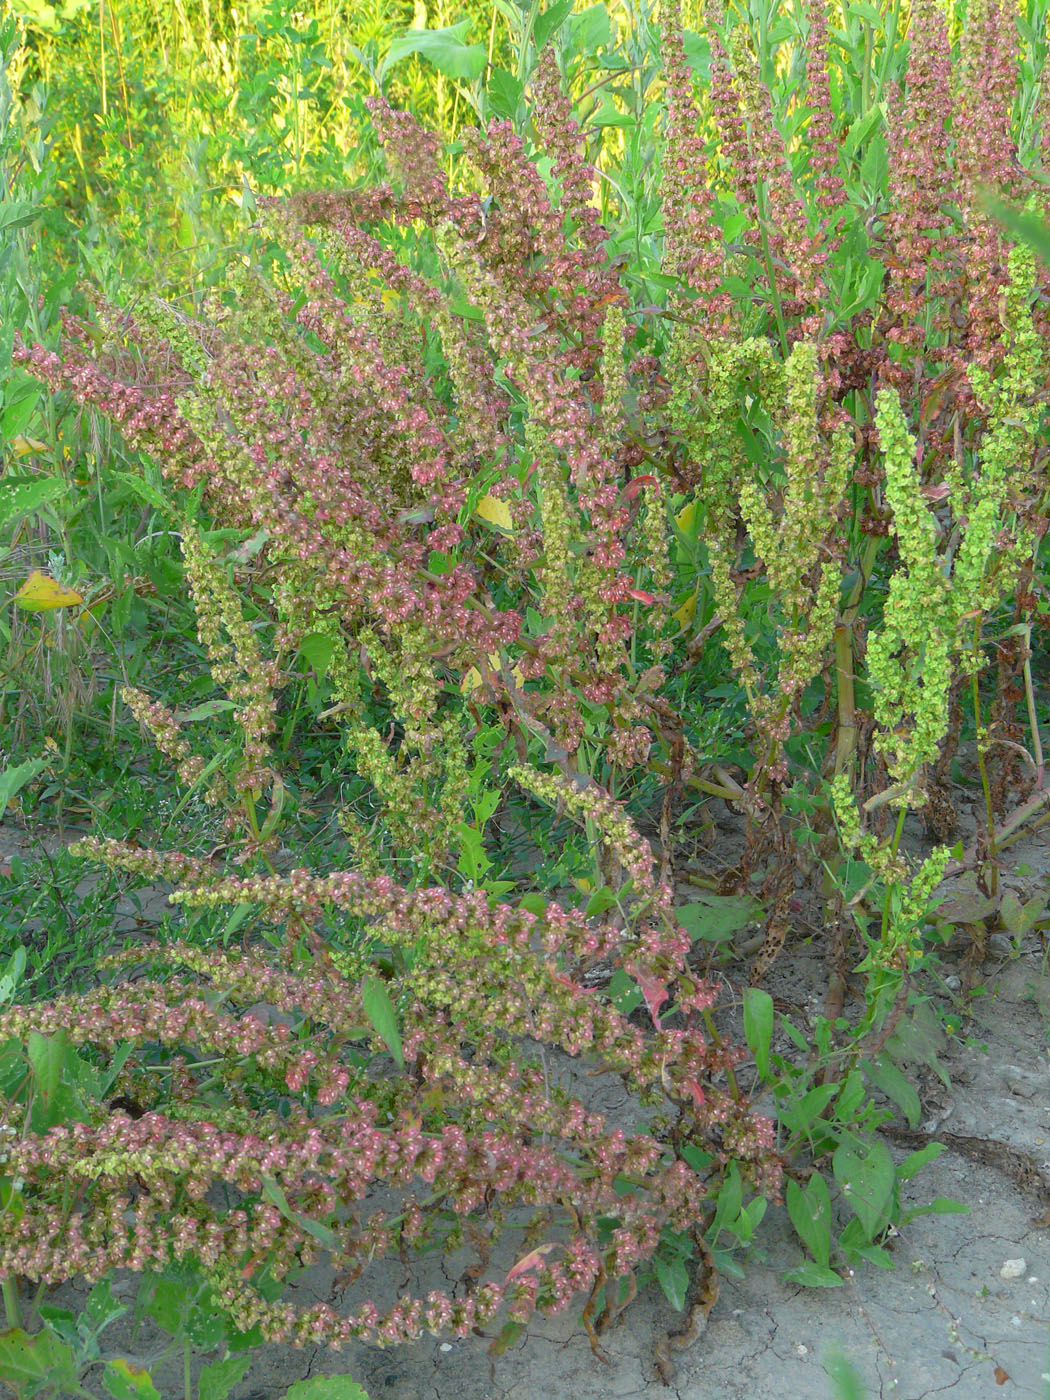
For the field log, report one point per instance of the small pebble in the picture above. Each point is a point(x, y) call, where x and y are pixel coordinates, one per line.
point(1014, 1268)
point(1015, 1321)
point(953, 983)
point(445, 1346)
point(802, 1350)
point(1000, 943)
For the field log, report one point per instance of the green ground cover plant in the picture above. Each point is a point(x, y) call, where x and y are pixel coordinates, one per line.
point(496, 517)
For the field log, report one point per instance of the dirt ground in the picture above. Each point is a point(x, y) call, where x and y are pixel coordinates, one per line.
point(965, 1314)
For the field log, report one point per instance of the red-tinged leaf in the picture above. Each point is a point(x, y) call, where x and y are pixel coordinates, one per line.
point(530, 1260)
point(1001, 1376)
point(655, 993)
point(699, 1097)
point(640, 596)
point(635, 485)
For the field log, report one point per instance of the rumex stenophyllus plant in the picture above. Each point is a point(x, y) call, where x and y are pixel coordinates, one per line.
point(864, 529)
point(434, 493)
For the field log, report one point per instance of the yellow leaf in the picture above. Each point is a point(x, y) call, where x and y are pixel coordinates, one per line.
point(22, 445)
point(686, 518)
point(685, 614)
point(496, 512)
point(472, 679)
point(41, 593)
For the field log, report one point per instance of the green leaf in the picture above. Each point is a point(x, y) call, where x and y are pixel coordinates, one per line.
point(730, 1200)
point(207, 710)
point(28, 1361)
point(673, 1277)
point(316, 649)
point(102, 1308)
point(143, 489)
point(716, 917)
point(25, 494)
point(845, 1377)
point(326, 1388)
point(602, 899)
point(549, 22)
point(810, 1212)
point(915, 1161)
point(13, 780)
point(800, 1117)
point(273, 1193)
point(17, 213)
point(444, 48)
point(218, 1379)
point(1028, 228)
point(940, 1205)
point(814, 1276)
point(758, 1027)
point(591, 29)
point(380, 1011)
point(697, 53)
point(624, 992)
point(504, 93)
point(867, 1177)
point(895, 1085)
point(127, 1382)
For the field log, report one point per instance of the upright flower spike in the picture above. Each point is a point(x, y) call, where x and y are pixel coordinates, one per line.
point(692, 249)
point(910, 657)
point(926, 247)
point(828, 189)
point(236, 661)
point(987, 155)
point(782, 224)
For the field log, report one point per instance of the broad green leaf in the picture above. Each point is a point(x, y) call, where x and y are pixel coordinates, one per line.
point(602, 899)
point(624, 992)
point(380, 1011)
point(26, 1362)
point(549, 22)
point(207, 710)
point(13, 780)
point(316, 649)
point(143, 489)
point(915, 1161)
point(940, 1205)
point(845, 1377)
point(810, 1212)
point(814, 1276)
point(673, 1277)
point(867, 1177)
point(591, 29)
point(716, 917)
point(444, 48)
point(800, 1117)
point(218, 1379)
point(895, 1085)
point(1028, 228)
point(758, 1027)
point(25, 494)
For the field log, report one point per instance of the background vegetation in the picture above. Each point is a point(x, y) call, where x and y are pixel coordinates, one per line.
point(784, 662)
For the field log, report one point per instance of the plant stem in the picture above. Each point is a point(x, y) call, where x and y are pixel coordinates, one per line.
point(12, 1307)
